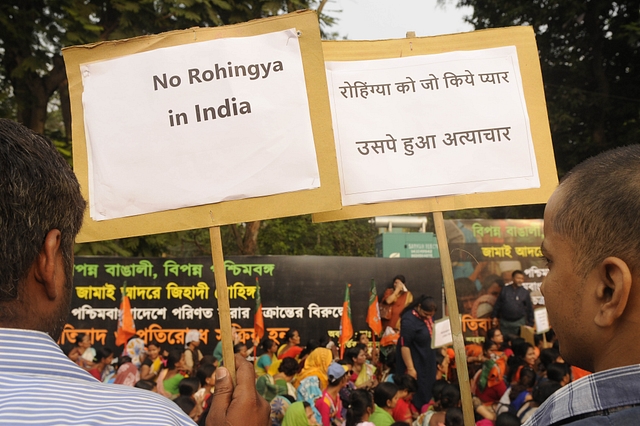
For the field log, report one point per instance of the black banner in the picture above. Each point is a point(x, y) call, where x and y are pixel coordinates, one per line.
point(170, 296)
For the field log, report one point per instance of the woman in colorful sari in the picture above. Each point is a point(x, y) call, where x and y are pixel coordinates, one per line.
point(292, 348)
point(363, 373)
point(313, 378)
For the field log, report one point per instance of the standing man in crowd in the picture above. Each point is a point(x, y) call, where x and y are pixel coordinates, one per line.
point(41, 212)
point(513, 307)
point(592, 290)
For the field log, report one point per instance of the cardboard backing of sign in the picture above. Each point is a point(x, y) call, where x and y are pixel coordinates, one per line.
point(327, 197)
point(524, 40)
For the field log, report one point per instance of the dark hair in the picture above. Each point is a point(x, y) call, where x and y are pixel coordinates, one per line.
point(267, 344)
point(487, 344)
point(174, 357)
point(517, 272)
point(384, 392)
point(544, 390)
point(289, 366)
point(38, 193)
point(311, 345)
point(359, 401)
point(548, 356)
point(238, 347)
point(336, 381)
point(426, 303)
point(398, 277)
point(186, 403)
point(204, 372)
point(351, 353)
point(406, 382)
point(507, 419)
point(527, 381)
point(145, 384)
point(79, 338)
point(123, 359)
point(519, 353)
point(305, 404)
point(188, 386)
point(206, 360)
point(439, 357)
point(102, 353)
point(436, 389)
point(289, 334)
point(154, 343)
point(556, 371)
point(454, 417)
point(450, 396)
point(601, 196)
point(491, 333)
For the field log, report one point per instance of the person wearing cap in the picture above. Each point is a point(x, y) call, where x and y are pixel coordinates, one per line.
point(330, 405)
point(192, 354)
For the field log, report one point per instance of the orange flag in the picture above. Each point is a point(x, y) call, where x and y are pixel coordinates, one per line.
point(126, 327)
point(346, 327)
point(258, 319)
point(373, 314)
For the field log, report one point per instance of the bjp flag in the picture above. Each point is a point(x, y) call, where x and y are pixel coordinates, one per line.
point(346, 327)
point(258, 319)
point(373, 314)
point(126, 327)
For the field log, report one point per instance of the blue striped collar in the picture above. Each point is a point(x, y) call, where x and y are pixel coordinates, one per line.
point(599, 392)
point(32, 352)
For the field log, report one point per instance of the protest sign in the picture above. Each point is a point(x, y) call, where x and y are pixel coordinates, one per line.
point(439, 123)
point(202, 127)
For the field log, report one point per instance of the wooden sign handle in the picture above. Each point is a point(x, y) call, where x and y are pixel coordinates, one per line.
point(454, 318)
point(224, 311)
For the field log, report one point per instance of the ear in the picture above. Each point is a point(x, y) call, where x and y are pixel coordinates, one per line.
point(48, 264)
point(613, 289)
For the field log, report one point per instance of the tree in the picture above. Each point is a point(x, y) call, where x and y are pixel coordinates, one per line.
point(33, 32)
point(590, 59)
point(32, 73)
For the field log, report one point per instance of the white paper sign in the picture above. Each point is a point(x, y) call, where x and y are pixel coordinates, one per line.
point(441, 333)
point(196, 124)
point(541, 319)
point(432, 125)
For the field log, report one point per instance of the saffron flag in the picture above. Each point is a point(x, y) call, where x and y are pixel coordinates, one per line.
point(373, 314)
point(346, 327)
point(126, 327)
point(258, 319)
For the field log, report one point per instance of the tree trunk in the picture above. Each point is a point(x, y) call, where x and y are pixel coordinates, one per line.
point(250, 240)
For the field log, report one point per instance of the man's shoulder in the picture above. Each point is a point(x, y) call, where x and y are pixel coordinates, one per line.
point(114, 404)
point(606, 393)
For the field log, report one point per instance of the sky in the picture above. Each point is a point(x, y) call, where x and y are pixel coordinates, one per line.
point(384, 19)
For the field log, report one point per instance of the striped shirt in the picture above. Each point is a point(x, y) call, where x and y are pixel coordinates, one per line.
point(594, 399)
point(39, 385)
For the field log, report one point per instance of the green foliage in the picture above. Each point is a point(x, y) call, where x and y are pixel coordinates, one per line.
point(299, 236)
point(590, 55)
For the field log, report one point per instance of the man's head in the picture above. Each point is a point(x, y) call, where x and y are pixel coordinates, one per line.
point(592, 245)
point(518, 278)
point(41, 211)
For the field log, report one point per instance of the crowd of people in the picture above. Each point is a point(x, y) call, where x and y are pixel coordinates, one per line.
point(406, 382)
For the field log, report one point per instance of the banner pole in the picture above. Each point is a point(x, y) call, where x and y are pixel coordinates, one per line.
point(224, 311)
point(454, 318)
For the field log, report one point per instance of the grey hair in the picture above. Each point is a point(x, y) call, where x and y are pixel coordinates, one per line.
point(38, 193)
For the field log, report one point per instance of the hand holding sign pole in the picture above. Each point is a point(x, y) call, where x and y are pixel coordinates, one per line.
point(202, 128)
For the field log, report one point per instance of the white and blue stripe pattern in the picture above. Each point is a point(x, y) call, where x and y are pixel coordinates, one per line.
point(606, 390)
point(39, 385)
